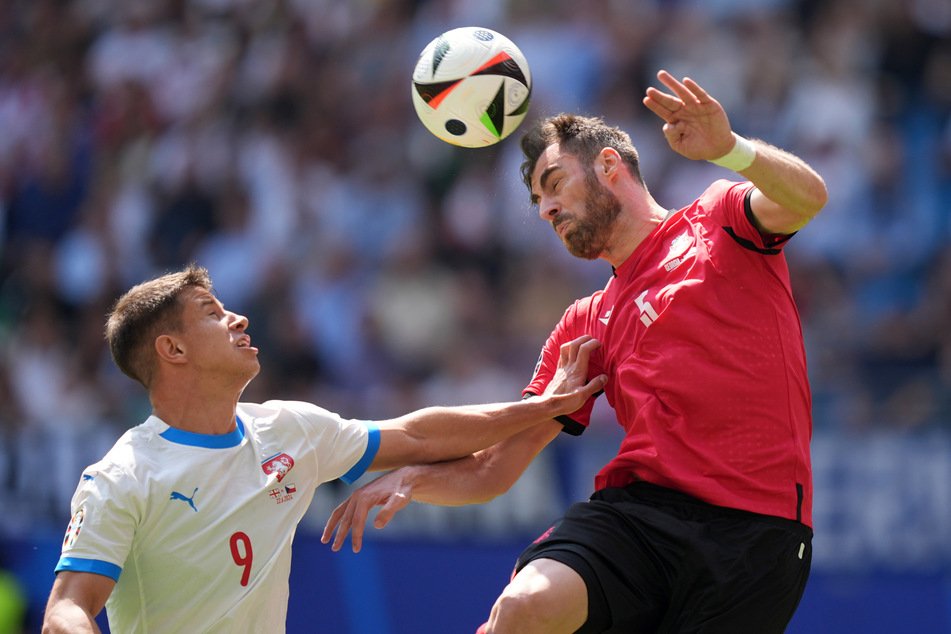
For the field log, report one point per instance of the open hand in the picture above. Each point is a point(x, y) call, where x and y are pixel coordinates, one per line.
point(696, 125)
point(571, 377)
point(392, 491)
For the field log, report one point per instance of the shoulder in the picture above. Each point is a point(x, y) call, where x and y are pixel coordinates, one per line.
point(276, 408)
point(723, 197)
point(581, 308)
point(280, 414)
point(128, 453)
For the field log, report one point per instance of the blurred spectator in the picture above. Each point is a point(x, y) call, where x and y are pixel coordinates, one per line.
point(383, 269)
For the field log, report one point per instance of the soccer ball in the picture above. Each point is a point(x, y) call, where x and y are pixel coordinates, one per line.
point(471, 87)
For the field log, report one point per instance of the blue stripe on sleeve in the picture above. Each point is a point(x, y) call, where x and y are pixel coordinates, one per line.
point(75, 564)
point(373, 445)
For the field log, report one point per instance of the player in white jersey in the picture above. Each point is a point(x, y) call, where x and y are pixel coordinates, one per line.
point(186, 524)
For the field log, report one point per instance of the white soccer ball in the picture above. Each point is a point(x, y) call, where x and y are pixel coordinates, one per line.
point(471, 87)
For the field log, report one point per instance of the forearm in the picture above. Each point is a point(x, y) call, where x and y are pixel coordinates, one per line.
point(75, 600)
point(455, 483)
point(479, 477)
point(437, 434)
point(69, 618)
point(468, 480)
point(786, 179)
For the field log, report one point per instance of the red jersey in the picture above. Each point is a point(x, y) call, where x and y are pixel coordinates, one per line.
point(702, 344)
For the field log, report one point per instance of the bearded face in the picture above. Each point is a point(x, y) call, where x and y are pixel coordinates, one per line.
point(588, 236)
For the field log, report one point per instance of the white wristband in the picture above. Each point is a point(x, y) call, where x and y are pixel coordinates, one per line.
point(740, 157)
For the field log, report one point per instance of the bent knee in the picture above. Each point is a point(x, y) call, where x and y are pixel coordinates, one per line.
point(518, 610)
point(538, 603)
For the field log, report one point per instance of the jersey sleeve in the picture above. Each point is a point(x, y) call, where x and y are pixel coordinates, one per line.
point(104, 510)
point(344, 448)
point(730, 202)
point(569, 328)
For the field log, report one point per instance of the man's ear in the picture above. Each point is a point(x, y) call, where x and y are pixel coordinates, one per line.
point(607, 163)
point(170, 349)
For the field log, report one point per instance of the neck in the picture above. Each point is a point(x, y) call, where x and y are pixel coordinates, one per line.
point(632, 229)
point(194, 410)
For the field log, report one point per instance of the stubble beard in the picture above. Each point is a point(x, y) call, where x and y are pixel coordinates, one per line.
point(588, 238)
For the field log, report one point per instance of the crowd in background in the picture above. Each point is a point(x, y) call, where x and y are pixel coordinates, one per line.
point(382, 269)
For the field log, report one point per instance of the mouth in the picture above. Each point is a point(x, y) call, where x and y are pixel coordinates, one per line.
point(245, 342)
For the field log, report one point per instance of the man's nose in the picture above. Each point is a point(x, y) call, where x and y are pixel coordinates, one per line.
point(238, 322)
point(547, 211)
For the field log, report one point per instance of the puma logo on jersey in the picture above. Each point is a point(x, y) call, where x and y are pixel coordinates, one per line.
point(191, 500)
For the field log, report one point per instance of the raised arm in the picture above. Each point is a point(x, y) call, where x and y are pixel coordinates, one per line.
point(474, 479)
point(788, 193)
point(75, 600)
point(436, 434)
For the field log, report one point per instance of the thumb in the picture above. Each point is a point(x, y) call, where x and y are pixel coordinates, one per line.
point(597, 383)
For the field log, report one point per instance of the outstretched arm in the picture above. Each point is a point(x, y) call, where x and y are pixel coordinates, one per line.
point(474, 479)
point(789, 192)
point(436, 434)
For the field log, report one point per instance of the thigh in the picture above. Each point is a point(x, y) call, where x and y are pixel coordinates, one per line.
point(623, 558)
point(552, 596)
point(753, 578)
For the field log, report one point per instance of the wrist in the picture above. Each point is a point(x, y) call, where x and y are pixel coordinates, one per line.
point(551, 405)
point(740, 157)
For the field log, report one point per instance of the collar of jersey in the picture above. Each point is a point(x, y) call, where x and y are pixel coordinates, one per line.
point(208, 441)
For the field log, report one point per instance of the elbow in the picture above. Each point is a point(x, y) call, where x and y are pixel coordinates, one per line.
point(809, 206)
point(819, 196)
point(822, 199)
point(492, 489)
point(494, 479)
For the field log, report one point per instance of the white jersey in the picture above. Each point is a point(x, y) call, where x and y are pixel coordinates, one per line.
point(200, 527)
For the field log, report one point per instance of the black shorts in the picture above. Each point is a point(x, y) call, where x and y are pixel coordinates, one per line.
point(657, 560)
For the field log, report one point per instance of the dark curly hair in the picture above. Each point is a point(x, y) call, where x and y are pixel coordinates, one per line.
point(582, 137)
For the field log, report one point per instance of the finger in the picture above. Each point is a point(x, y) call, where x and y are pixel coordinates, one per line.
point(581, 345)
point(346, 523)
point(563, 354)
point(594, 386)
point(699, 93)
point(340, 537)
point(663, 105)
point(586, 349)
point(358, 523)
point(581, 351)
point(590, 345)
point(679, 89)
point(357, 528)
point(597, 384)
point(395, 503)
point(674, 130)
point(573, 346)
point(332, 522)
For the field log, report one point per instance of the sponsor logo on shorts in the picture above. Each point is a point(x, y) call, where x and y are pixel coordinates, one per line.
point(545, 535)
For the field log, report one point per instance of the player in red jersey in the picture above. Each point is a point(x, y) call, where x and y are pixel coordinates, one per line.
point(702, 522)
